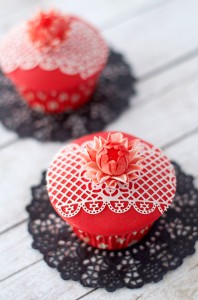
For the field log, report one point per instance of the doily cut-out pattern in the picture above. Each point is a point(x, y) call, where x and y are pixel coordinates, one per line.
point(70, 190)
point(169, 241)
point(111, 98)
point(84, 58)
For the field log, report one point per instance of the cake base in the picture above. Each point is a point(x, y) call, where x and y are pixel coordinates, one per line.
point(110, 99)
point(171, 239)
point(112, 242)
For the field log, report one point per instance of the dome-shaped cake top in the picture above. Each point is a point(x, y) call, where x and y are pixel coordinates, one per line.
point(110, 170)
point(51, 41)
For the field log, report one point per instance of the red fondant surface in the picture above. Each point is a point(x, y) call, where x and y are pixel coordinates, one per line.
point(54, 85)
point(53, 91)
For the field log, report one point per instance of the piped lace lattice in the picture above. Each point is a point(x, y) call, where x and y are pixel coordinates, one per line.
point(70, 190)
point(170, 240)
point(83, 52)
point(111, 98)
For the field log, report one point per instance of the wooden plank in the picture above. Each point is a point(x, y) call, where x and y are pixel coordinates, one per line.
point(21, 167)
point(164, 83)
point(40, 282)
point(10, 7)
point(105, 13)
point(157, 37)
point(15, 251)
point(186, 154)
point(102, 13)
point(161, 120)
point(173, 108)
point(6, 136)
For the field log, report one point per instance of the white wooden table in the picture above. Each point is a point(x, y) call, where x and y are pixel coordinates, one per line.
point(160, 39)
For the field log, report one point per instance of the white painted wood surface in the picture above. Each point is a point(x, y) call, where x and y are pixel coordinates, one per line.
point(160, 39)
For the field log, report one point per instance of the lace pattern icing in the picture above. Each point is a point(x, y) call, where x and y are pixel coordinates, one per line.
point(70, 190)
point(171, 239)
point(84, 57)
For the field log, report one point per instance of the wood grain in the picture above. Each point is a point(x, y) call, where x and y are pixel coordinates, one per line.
point(106, 13)
point(102, 13)
point(16, 252)
point(21, 165)
point(157, 37)
point(6, 136)
point(40, 282)
point(10, 7)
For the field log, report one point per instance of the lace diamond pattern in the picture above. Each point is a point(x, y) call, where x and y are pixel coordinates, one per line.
point(70, 191)
point(164, 248)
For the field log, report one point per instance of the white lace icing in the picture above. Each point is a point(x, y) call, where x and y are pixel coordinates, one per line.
point(83, 52)
point(70, 191)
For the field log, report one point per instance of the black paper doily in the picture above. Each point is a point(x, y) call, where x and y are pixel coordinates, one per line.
point(111, 98)
point(170, 240)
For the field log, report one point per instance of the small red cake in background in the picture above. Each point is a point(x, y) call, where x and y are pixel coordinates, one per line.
point(54, 60)
point(110, 187)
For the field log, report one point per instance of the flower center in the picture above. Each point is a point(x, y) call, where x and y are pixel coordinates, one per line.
point(113, 153)
point(113, 159)
point(46, 22)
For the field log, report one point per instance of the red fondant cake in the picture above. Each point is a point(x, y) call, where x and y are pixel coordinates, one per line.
point(110, 187)
point(54, 60)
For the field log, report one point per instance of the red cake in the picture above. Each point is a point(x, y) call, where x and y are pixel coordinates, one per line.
point(54, 60)
point(110, 187)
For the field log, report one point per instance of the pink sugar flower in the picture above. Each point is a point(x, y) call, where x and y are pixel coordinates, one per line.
point(112, 160)
point(48, 30)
